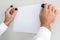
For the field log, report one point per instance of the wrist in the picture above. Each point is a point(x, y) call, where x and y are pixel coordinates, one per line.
point(46, 25)
point(6, 22)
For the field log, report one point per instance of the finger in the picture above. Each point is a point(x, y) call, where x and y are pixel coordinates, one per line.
point(8, 11)
point(14, 12)
point(10, 7)
point(54, 10)
point(42, 9)
point(11, 12)
point(46, 6)
point(50, 7)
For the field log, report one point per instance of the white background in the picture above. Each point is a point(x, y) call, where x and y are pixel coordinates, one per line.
point(10, 35)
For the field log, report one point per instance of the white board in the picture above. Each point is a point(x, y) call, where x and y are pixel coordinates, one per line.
point(27, 19)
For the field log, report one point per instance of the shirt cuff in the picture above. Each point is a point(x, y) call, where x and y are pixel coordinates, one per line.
point(43, 31)
point(3, 28)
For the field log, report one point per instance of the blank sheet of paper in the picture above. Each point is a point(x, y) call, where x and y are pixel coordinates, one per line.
point(27, 19)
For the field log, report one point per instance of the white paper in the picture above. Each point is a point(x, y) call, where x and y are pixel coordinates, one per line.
point(27, 19)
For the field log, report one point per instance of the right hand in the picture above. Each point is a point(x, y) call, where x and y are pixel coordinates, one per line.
point(47, 15)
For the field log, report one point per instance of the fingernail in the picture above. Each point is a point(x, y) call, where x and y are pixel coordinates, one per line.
point(11, 6)
point(42, 5)
point(16, 9)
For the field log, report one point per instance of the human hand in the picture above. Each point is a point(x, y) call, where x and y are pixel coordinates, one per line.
point(10, 14)
point(47, 15)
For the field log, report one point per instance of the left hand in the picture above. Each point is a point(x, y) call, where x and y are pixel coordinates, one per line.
point(9, 15)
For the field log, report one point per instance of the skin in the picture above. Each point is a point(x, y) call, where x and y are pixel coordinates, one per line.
point(47, 15)
point(8, 16)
